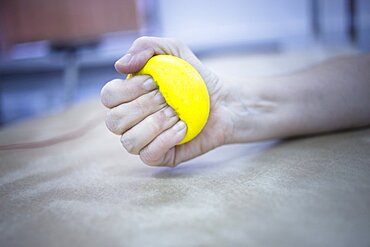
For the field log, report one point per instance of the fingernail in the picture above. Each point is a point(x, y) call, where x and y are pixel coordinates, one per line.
point(159, 98)
point(169, 112)
point(149, 84)
point(125, 60)
point(180, 126)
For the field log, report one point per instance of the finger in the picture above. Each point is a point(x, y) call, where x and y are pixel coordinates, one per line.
point(121, 118)
point(144, 132)
point(156, 153)
point(120, 91)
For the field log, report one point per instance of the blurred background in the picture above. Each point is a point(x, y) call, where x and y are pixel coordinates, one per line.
point(56, 53)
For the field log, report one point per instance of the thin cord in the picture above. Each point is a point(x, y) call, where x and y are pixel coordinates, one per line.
point(55, 140)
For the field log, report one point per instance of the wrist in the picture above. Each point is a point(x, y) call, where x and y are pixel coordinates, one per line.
point(259, 109)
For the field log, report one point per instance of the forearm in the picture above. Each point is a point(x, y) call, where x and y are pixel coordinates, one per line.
point(331, 96)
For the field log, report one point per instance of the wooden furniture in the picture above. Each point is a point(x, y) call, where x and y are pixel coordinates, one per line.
point(66, 21)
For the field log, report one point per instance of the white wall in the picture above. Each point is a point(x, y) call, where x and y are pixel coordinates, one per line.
point(207, 23)
point(363, 19)
point(213, 22)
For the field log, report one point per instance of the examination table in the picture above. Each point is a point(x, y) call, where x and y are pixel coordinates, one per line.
point(81, 188)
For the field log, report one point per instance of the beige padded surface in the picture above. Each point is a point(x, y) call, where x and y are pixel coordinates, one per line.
point(89, 192)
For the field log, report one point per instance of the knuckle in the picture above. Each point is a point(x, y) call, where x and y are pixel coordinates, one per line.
point(140, 106)
point(157, 159)
point(108, 92)
point(148, 157)
point(145, 104)
point(170, 158)
point(176, 42)
point(129, 144)
point(111, 121)
point(130, 92)
point(161, 142)
point(111, 125)
point(105, 95)
point(157, 121)
point(177, 46)
point(142, 40)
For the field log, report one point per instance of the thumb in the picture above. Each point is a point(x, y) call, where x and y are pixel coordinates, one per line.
point(133, 61)
point(144, 48)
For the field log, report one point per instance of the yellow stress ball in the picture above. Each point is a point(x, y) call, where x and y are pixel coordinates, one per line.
point(183, 89)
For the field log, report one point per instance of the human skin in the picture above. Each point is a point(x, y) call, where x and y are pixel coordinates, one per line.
point(331, 96)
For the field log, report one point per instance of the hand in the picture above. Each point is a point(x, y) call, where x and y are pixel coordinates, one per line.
point(147, 125)
point(253, 109)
